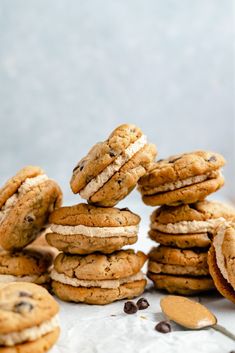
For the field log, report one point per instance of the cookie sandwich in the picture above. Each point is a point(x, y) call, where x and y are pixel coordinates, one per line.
point(98, 278)
point(182, 179)
point(32, 264)
point(189, 226)
point(221, 260)
point(111, 169)
point(179, 271)
point(28, 318)
point(83, 229)
point(26, 201)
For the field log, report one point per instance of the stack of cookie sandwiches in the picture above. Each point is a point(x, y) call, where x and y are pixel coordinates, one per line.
point(92, 267)
point(185, 222)
point(26, 201)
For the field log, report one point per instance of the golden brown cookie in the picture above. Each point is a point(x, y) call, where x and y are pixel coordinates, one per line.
point(83, 229)
point(98, 278)
point(112, 168)
point(166, 260)
point(188, 226)
point(184, 285)
point(26, 201)
point(179, 271)
point(28, 265)
point(182, 179)
point(221, 260)
point(28, 318)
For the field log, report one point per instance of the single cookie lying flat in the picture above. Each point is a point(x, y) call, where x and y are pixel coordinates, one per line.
point(221, 260)
point(98, 278)
point(26, 201)
point(179, 271)
point(189, 226)
point(28, 318)
point(112, 168)
point(182, 179)
point(32, 264)
point(83, 229)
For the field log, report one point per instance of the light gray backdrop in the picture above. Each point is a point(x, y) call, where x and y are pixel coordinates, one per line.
point(70, 71)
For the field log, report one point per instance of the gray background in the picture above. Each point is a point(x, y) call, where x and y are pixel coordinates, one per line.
point(70, 71)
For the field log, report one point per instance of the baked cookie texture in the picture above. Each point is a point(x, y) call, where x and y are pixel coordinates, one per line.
point(28, 318)
point(188, 226)
point(26, 201)
point(98, 278)
point(32, 264)
point(112, 168)
point(182, 179)
point(221, 260)
point(179, 271)
point(83, 229)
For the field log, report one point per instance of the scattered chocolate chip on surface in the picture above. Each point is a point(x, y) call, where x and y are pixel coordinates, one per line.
point(130, 307)
point(163, 327)
point(142, 304)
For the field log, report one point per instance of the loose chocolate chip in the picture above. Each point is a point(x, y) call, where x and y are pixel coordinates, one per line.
point(163, 327)
point(25, 294)
point(212, 159)
point(29, 218)
point(130, 307)
point(142, 304)
point(23, 307)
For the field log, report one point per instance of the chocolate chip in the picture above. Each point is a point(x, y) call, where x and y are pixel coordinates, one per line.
point(160, 160)
point(23, 307)
point(25, 294)
point(119, 181)
point(29, 219)
point(124, 209)
point(112, 153)
point(130, 307)
point(142, 304)
point(163, 327)
point(173, 160)
point(212, 159)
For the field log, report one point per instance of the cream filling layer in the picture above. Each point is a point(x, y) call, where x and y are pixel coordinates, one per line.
point(218, 244)
point(27, 185)
point(29, 334)
point(100, 232)
point(96, 183)
point(180, 183)
point(186, 227)
point(39, 279)
point(109, 284)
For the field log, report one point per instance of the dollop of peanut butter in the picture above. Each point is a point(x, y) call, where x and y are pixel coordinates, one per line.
point(186, 312)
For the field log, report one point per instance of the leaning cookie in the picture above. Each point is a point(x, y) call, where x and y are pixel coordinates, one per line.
point(26, 201)
point(83, 229)
point(189, 226)
point(179, 271)
point(112, 168)
point(98, 278)
point(28, 318)
point(32, 264)
point(221, 260)
point(182, 179)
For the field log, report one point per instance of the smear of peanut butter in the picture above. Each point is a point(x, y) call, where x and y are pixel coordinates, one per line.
point(186, 312)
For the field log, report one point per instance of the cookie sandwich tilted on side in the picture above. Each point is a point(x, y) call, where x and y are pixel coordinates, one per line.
point(111, 169)
point(26, 201)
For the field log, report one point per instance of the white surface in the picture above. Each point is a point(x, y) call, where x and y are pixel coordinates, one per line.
point(107, 329)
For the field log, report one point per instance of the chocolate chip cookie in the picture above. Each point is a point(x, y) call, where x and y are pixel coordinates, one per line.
point(26, 201)
point(182, 179)
point(83, 229)
point(112, 168)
